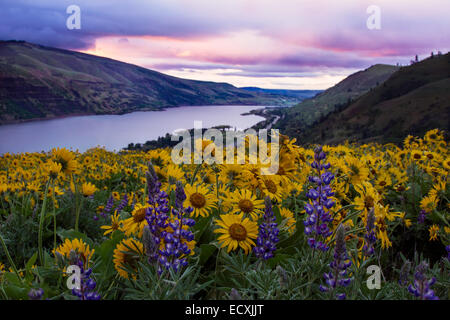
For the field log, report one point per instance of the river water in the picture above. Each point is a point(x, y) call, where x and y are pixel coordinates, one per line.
point(115, 132)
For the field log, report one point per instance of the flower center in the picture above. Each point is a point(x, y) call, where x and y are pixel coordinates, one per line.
point(354, 169)
point(271, 186)
point(139, 216)
point(417, 156)
point(246, 205)
point(382, 183)
point(238, 232)
point(368, 202)
point(197, 200)
point(130, 259)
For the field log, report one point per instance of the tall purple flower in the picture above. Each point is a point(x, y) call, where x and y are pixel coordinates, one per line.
point(422, 286)
point(173, 255)
point(338, 273)
point(109, 205)
point(268, 234)
point(123, 203)
point(176, 249)
point(36, 294)
point(422, 216)
point(107, 209)
point(87, 285)
point(318, 216)
point(370, 237)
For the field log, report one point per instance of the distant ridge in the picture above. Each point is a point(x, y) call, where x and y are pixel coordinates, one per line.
point(413, 100)
point(295, 119)
point(301, 94)
point(38, 82)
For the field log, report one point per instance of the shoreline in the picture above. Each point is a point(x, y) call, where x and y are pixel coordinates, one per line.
point(21, 121)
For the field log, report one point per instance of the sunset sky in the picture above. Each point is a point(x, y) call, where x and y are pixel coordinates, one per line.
point(289, 44)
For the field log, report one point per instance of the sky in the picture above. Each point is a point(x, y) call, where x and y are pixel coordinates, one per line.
point(288, 44)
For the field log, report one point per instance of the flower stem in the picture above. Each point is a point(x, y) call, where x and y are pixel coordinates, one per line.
point(54, 215)
point(10, 260)
point(41, 224)
point(77, 217)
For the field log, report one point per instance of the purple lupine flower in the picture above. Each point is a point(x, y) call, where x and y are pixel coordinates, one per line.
point(36, 294)
point(109, 205)
point(175, 251)
point(370, 237)
point(123, 203)
point(317, 213)
point(422, 286)
point(157, 216)
point(422, 216)
point(268, 233)
point(404, 273)
point(87, 285)
point(338, 274)
point(448, 252)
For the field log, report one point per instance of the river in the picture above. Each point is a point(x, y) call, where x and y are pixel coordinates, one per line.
point(115, 132)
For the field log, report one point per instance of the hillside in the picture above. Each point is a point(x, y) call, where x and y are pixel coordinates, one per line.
point(43, 82)
point(302, 115)
point(413, 100)
point(301, 94)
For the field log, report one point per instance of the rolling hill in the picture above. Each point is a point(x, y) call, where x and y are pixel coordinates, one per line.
point(413, 100)
point(38, 82)
point(301, 94)
point(295, 119)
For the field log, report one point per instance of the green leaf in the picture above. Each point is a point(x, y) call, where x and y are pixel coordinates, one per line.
point(72, 234)
point(206, 250)
point(201, 226)
point(277, 260)
point(31, 262)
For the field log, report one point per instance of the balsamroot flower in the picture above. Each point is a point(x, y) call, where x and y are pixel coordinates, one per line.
point(422, 286)
point(268, 233)
point(318, 216)
point(88, 189)
point(338, 274)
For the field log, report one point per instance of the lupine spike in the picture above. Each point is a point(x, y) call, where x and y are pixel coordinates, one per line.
point(338, 273)
point(268, 233)
point(318, 217)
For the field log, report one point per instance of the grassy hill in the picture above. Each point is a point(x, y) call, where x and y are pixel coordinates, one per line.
point(297, 118)
point(301, 94)
point(413, 100)
point(43, 82)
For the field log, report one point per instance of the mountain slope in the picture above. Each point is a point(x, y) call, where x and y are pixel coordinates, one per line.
point(412, 101)
point(301, 94)
point(302, 115)
point(44, 82)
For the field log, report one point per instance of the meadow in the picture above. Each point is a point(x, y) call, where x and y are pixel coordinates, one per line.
point(136, 226)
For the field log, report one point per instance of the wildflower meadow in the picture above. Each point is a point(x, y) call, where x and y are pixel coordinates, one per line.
point(352, 221)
